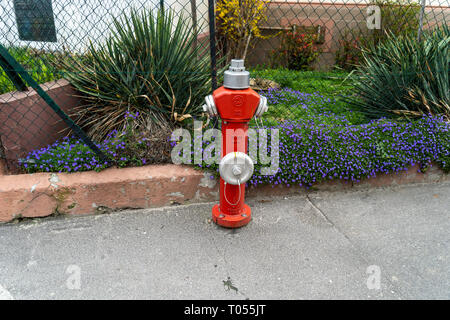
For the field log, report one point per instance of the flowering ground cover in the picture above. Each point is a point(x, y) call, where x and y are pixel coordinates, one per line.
point(311, 152)
point(326, 141)
point(73, 155)
point(320, 140)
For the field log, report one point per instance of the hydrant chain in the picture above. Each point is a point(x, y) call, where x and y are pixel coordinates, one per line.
point(225, 194)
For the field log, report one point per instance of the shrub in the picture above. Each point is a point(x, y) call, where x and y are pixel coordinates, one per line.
point(35, 62)
point(349, 53)
point(298, 49)
point(405, 77)
point(238, 22)
point(148, 65)
point(398, 17)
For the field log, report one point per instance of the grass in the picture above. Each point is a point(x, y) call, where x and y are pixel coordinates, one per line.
point(331, 83)
point(288, 104)
point(307, 95)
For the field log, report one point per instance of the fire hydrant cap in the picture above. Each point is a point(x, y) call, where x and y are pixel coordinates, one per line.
point(236, 168)
point(236, 77)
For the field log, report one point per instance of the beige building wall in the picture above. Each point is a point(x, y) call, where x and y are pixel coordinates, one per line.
point(334, 19)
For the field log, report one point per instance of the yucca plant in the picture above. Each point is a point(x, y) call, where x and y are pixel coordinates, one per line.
point(148, 66)
point(405, 77)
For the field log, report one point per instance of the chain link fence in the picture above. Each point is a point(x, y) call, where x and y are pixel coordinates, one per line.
point(42, 34)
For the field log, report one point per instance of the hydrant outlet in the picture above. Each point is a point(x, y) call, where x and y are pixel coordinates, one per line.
point(210, 107)
point(262, 107)
point(236, 168)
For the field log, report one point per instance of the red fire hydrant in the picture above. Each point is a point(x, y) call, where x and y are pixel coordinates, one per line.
point(236, 104)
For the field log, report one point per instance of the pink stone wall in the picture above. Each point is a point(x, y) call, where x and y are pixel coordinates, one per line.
point(27, 122)
point(44, 194)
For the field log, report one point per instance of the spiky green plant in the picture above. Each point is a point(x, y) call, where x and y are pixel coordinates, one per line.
point(149, 65)
point(405, 77)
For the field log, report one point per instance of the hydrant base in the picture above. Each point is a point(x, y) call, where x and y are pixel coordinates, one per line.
point(231, 220)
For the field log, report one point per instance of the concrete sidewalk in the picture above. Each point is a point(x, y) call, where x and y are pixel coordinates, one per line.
point(321, 245)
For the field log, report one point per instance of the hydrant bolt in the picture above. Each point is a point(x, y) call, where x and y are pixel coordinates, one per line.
point(237, 170)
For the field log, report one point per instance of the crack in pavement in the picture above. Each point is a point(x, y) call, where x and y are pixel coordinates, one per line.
point(363, 255)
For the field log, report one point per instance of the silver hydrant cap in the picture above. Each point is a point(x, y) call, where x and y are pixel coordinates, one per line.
point(236, 77)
